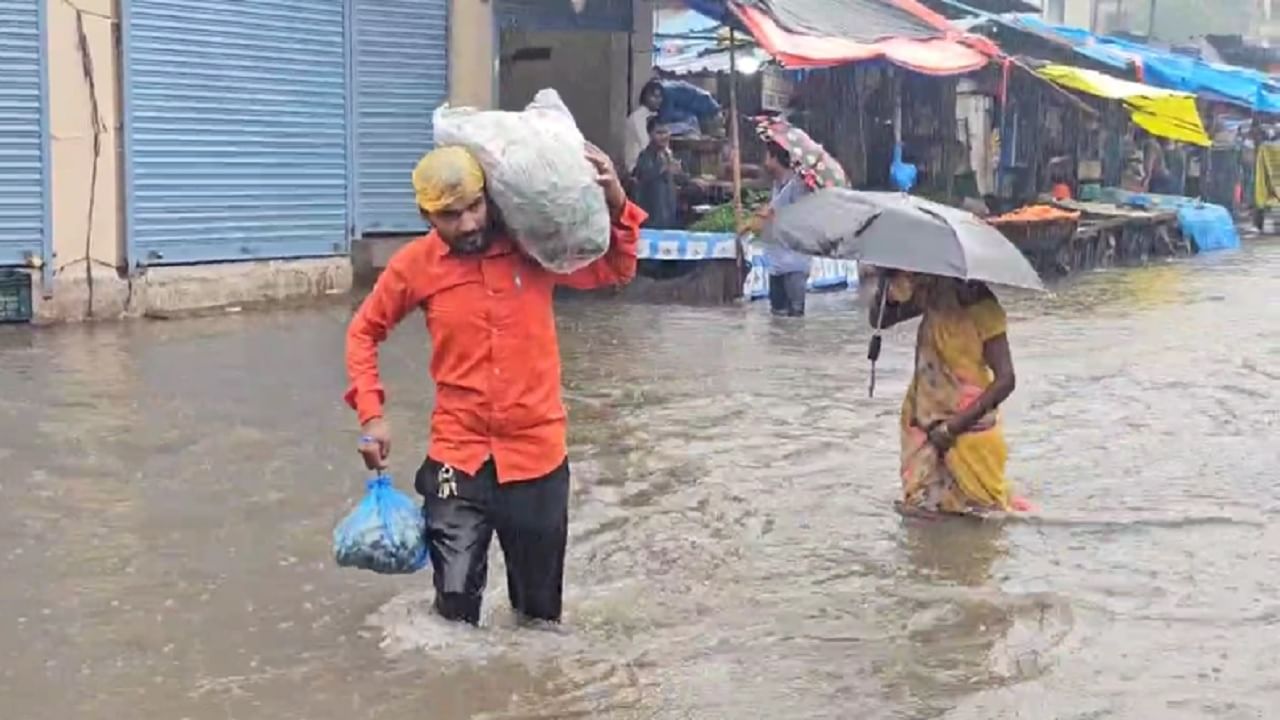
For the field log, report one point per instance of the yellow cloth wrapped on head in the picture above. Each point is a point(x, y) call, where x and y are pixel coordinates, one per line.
point(447, 177)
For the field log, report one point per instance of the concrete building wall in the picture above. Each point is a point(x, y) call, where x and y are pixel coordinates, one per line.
point(598, 74)
point(78, 238)
point(1078, 13)
point(590, 70)
point(1181, 20)
point(641, 48)
point(582, 67)
point(1175, 20)
point(472, 54)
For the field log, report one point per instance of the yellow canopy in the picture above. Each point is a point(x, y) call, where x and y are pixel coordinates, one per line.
point(1166, 113)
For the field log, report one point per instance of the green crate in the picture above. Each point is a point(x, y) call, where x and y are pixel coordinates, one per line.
point(15, 296)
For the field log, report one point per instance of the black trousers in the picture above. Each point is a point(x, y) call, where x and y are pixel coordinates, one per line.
point(531, 519)
point(787, 293)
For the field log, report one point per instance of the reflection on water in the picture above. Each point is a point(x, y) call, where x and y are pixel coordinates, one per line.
point(170, 488)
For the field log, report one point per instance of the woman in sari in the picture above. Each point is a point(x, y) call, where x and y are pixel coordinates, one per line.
point(953, 449)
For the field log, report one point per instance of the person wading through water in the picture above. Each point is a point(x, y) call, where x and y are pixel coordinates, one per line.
point(788, 269)
point(797, 165)
point(953, 448)
point(498, 456)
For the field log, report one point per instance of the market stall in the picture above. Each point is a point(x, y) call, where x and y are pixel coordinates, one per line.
point(1075, 236)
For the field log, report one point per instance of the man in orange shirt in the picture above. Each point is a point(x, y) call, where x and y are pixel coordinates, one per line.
point(498, 457)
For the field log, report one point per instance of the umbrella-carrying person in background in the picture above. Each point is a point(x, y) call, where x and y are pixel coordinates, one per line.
point(935, 263)
point(797, 165)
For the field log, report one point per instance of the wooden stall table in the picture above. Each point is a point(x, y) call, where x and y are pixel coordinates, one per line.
point(1072, 236)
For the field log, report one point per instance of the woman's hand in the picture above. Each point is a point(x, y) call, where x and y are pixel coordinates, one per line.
point(941, 437)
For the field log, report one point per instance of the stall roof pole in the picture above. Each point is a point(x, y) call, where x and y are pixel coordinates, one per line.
point(897, 105)
point(735, 148)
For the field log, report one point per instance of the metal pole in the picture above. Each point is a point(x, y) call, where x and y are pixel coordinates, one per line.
point(1151, 21)
point(735, 147)
point(897, 105)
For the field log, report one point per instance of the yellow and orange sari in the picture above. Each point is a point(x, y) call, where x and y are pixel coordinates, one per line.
point(950, 374)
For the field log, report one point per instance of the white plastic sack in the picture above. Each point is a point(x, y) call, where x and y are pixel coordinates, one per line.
point(537, 173)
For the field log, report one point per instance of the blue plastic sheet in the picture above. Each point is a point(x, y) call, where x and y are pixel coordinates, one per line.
point(1236, 85)
point(1210, 226)
point(385, 533)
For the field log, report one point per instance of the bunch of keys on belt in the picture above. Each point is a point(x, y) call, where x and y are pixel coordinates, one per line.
point(447, 484)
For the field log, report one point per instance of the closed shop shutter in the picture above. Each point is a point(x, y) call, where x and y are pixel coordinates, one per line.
point(533, 15)
point(401, 75)
point(235, 129)
point(24, 179)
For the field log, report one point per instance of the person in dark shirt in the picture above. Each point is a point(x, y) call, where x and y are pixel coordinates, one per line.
point(655, 178)
point(687, 109)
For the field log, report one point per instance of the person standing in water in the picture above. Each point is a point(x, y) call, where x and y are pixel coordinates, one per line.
point(497, 459)
point(788, 269)
point(953, 447)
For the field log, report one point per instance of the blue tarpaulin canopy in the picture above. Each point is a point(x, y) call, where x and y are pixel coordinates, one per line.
point(1226, 83)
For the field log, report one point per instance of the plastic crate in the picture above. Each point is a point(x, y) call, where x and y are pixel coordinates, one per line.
point(15, 297)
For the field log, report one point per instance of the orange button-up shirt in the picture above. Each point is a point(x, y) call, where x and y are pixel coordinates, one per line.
point(495, 359)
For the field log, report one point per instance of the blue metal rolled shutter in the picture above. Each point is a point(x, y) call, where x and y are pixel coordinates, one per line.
point(235, 129)
point(24, 176)
point(603, 15)
point(400, 76)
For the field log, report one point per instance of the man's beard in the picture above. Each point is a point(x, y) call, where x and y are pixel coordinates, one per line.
point(471, 243)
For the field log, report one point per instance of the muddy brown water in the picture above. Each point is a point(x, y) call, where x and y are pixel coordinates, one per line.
point(168, 490)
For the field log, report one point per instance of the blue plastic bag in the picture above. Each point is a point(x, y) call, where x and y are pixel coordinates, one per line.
point(385, 533)
point(902, 174)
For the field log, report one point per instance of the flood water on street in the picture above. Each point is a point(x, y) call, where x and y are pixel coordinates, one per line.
point(169, 489)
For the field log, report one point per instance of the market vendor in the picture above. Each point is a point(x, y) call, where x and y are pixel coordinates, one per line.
point(1154, 170)
point(655, 176)
point(687, 108)
point(636, 138)
point(1172, 179)
point(1133, 176)
point(683, 108)
point(497, 456)
point(1060, 177)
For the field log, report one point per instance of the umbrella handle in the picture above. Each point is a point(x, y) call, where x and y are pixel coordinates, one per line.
point(877, 340)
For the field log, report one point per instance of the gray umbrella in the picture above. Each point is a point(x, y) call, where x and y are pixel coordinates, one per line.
point(902, 232)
